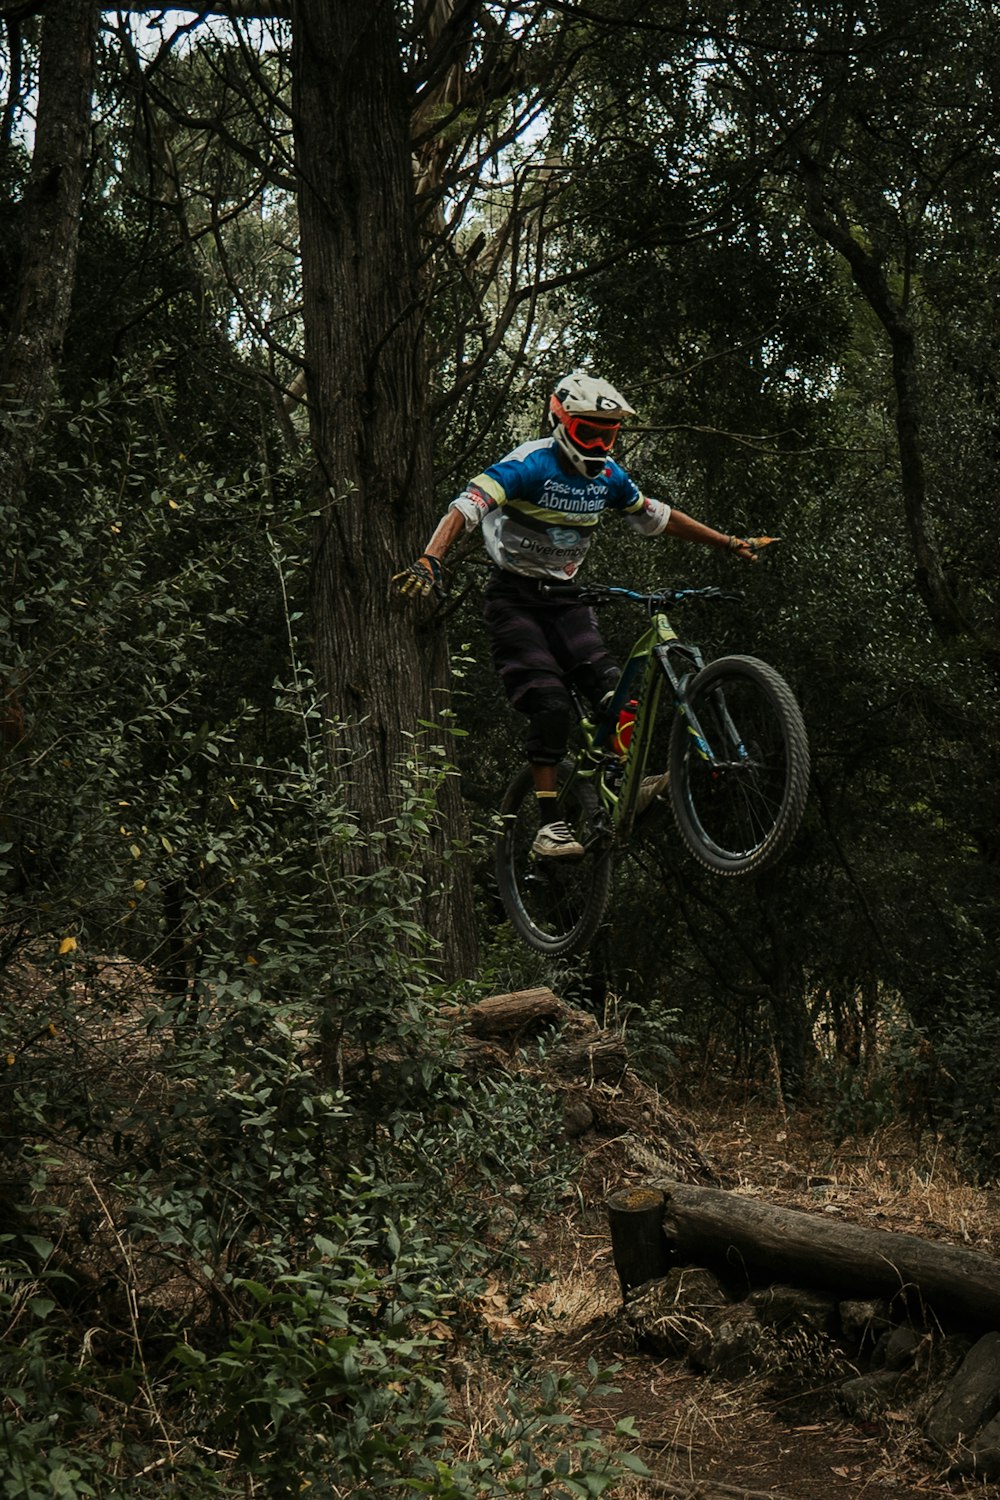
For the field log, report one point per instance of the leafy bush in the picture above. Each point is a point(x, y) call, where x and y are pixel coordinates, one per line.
point(253, 1196)
point(252, 1274)
point(957, 1085)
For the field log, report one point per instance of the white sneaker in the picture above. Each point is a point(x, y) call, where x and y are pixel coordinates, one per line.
point(653, 789)
point(556, 840)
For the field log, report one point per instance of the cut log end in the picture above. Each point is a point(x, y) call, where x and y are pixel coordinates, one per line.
point(638, 1245)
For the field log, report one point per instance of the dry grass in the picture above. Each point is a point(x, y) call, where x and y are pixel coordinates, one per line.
point(704, 1437)
point(889, 1178)
point(727, 1439)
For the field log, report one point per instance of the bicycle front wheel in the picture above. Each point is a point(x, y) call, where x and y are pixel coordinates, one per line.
point(554, 904)
point(739, 767)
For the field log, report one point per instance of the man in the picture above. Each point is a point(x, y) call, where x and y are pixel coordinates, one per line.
point(539, 508)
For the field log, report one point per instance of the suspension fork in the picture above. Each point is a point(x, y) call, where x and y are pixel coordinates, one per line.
point(680, 671)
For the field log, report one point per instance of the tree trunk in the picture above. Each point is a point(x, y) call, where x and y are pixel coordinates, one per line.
point(51, 219)
point(705, 1226)
point(831, 223)
point(383, 671)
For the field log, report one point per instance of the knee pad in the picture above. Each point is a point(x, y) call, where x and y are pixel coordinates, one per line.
point(550, 714)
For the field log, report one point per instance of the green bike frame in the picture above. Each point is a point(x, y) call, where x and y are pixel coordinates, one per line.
point(732, 741)
point(658, 658)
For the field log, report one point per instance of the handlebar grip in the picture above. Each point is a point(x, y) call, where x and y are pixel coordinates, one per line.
point(575, 592)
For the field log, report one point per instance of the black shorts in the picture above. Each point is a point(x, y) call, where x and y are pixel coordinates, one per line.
point(537, 641)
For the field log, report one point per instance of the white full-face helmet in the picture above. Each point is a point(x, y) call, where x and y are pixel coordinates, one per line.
point(585, 414)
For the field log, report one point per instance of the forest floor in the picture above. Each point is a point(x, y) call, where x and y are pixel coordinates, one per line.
point(701, 1437)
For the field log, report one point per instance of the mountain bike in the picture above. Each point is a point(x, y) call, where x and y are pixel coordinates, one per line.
point(733, 765)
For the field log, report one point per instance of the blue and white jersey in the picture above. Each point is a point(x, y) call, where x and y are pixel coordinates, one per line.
point(538, 518)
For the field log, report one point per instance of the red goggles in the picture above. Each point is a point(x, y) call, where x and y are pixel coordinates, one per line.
point(589, 434)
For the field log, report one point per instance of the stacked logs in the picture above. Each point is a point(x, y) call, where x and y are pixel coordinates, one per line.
point(729, 1282)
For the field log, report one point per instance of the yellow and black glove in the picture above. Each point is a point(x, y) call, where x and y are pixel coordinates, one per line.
point(749, 548)
point(421, 579)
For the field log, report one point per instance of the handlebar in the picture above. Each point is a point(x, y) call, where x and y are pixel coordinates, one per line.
point(597, 594)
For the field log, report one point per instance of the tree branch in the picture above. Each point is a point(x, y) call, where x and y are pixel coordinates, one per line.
point(829, 219)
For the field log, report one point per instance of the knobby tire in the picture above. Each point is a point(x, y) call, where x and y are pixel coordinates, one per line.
point(739, 816)
point(554, 904)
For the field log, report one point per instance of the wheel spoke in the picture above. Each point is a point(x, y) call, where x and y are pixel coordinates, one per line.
point(554, 902)
point(742, 782)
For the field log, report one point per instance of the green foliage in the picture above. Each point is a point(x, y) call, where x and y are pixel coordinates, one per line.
point(118, 635)
point(251, 1193)
point(764, 386)
point(296, 1313)
point(280, 1285)
point(283, 1264)
point(330, 1373)
point(45, 1404)
point(956, 1078)
point(856, 1103)
point(654, 1034)
point(270, 1194)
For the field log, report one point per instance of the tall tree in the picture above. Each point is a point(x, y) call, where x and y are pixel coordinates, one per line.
point(383, 673)
point(884, 115)
point(50, 219)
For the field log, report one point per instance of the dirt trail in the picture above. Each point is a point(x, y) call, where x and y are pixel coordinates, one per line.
point(707, 1439)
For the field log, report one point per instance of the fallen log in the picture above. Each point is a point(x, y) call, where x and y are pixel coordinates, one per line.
point(743, 1236)
point(595, 1056)
point(711, 1489)
point(590, 1053)
point(499, 1015)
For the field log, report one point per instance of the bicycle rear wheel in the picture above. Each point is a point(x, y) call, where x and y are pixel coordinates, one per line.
point(738, 791)
point(554, 904)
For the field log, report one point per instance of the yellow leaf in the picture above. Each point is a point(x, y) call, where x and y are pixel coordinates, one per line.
point(138, 885)
point(52, 1029)
point(173, 505)
point(10, 1059)
point(68, 945)
point(233, 802)
point(166, 843)
point(135, 851)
